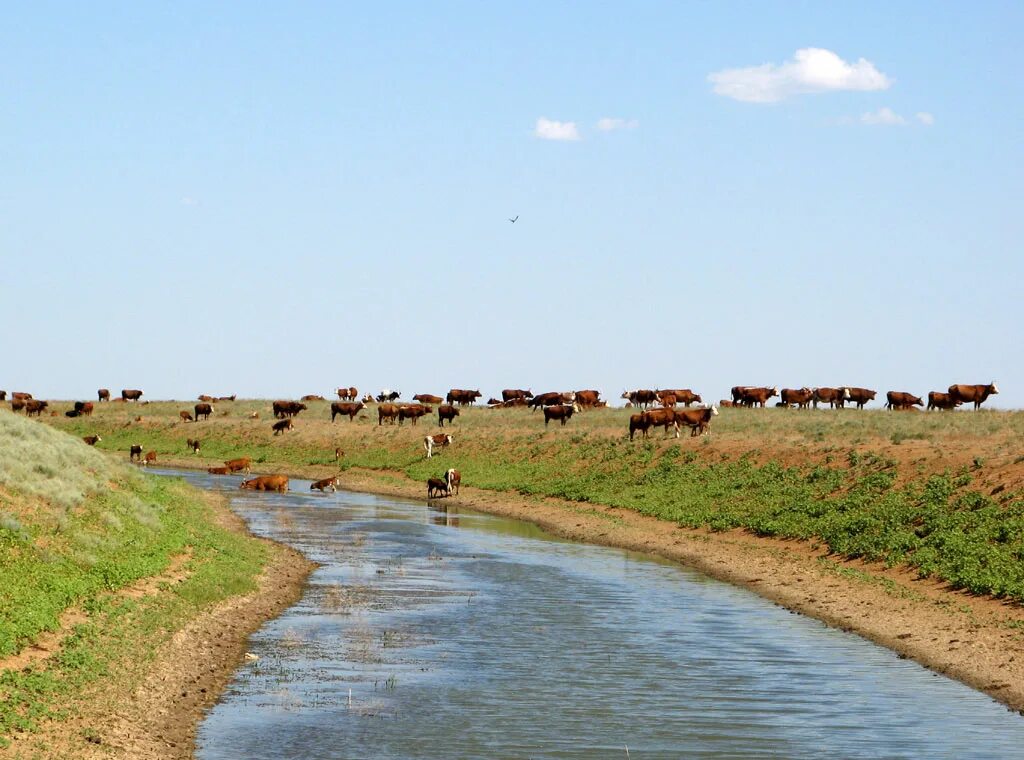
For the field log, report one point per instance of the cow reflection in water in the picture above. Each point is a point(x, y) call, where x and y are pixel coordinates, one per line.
point(446, 516)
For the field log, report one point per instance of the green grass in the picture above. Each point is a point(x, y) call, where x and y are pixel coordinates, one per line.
point(76, 526)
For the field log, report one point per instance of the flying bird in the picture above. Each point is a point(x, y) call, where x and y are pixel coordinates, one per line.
point(514, 220)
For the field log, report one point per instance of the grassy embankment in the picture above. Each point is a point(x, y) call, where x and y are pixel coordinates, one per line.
point(75, 528)
point(939, 492)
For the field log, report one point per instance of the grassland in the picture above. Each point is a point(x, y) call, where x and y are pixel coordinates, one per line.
point(940, 493)
point(80, 535)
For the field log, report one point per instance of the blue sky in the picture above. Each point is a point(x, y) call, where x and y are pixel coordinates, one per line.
point(275, 201)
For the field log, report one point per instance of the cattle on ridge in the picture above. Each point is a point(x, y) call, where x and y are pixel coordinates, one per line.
point(975, 394)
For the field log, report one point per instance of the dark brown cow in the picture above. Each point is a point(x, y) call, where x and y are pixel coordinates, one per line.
point(84, 408)
point(3, 395)
point(737, 393)
point(462, 397)
point(349, 408)
point(232, 397)
point(753, 396)
point(860, 396)
point(282, 426)
point(217, 470)
point(802, 397)
point(312, 397)
point(92, 440)
point(938, 400)
point(638, 422)
point(284, 409)
point(834, 397)
point(387, 412)
point(192, 443)
point(726, 402)
point(437, 487)
point(21, 396)
point(493, 402)
point(131, 394)
point(976, 394)
point(438, 440)
point(454, 480)
point(550, 398)
point(446, 412)
point(325, 484)
point(698, 420)
point(203, 410)
point(135, 452)
point(348, 394)
point(17, 404)
point(241, 464)
point(899, 400)
point(35, 406)
point(640, 397)
point(277, 483)
point(103, 394)
point(205, 397)
point(588, 399)
point(560, 412)
point(413, 412)
point(185, 416)
point(512, 393)
point(426, 398)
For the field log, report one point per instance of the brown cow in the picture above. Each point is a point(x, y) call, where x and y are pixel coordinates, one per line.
point(84, 408)
point(35, 406)
point(901, 401)
point(426, 398)
point(454, 480)
point(560, 412)
point(283, 425)
point(17, 404)
point(698, 420)
point(834, 397)
point(368, 399)
point(446, 412)
point(92, 440)
point(284, 409)
point(860, 396)
point(149, 458)
point(217, 470)
point(726, 402)
point(413, 412)
point(977, 394)
point(638, 422)
point(938, 400)
point(802, 398)
point(640, 397)
point(437, 487)
point(348, 394)
point(3, 395)
point(551, 398)
point(327, 483)
point(685, 396)
point(277, 483)
point(131, 395)
point(346, 408)
point(103, 394)
point(661, 418)
point(387, 412)
point(185, 416)
point(588, 399)
point(462, 397)
point(749, 396)
point(338, 454)
point(232, 397)
point(204, 411)
point(135, 452)
point(242, 464)
point(205, 397)
point(192, 443)
point(312, 397)
point(21, 396)
point(667, 400)
point(513, 393)
point(438, 440)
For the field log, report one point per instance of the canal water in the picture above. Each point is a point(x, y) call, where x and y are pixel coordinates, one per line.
point(433, 633)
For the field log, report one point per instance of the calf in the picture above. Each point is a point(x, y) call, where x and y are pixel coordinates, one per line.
point(437, 487)
point(698, 420)
point(426, 398)
point(325, 484)
point(454, 479)
point(203, 411)
point(277, 483)
point(242, 464)
point(726, 402)
point(976, 394)
point(184, 416)
point(282, 425)
point(192, 444)
point(135, 452)
point(937, 400)
point(438, 440)
point(149, 458)
point(446, 412)
point(560, 412)
point(899, 400)
point(346, 408)
point(92, 440)
point(217, 470)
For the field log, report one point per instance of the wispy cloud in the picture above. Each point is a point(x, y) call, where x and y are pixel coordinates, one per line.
point(925, 118)
point(547, 129)
point(608, 124)
point(883, 117)
point(810, 71)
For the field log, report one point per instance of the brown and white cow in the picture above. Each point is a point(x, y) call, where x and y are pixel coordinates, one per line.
point(438, 440)
point(834, 397)
point(129, 394)
point(588, 399)
point(103, 394)
point(349, 408)
point(92, 440)
point(640, 397)
point(427, 398)
point(192, 443)
point(277, 483)
point(860, 396)
point(282, 425)
point(348, 394)
point(454, 480)
point(135, 452)
point(939, 400)
point(802, 397)
point(149, 459)
point(446, 412)
point(976, 394)
point(698, 420)
point(560, 412)
point(325, 484)
point(203, 411)
point(241, 464)
point(901, 401)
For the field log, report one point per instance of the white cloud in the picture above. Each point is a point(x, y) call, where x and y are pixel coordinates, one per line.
point(925, 118)
point(883, 117)
point(547, 129)
point(608, 124)
point(811, 71)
